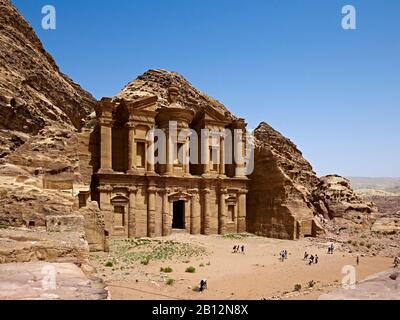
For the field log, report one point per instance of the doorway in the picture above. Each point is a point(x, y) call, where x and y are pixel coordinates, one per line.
point(178, 218)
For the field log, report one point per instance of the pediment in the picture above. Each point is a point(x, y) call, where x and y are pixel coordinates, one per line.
point(211, 116)
point(142, 104)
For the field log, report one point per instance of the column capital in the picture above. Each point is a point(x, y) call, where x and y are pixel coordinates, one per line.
point(132, 189)
point(193, 191)
point(105, 188)
point(105, 122)
point(152, 189)
point(130, 125)
point(243, 191)
point(206, 190)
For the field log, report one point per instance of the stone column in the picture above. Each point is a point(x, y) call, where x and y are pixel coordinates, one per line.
point(186, 158)
point(105, 145)
point(222, 155)
point(241, 217)
point(131, 148)
point(106, 207)
point(150, 153)
point(166, 216)
point(206, 212)
point(132, 212)
point(222, 212)
point(151, 211)
point(169, 160)
point(195, 212)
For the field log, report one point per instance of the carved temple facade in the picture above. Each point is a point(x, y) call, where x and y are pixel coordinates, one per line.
point(141, 198)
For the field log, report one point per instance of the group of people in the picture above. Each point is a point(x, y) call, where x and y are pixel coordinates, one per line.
point(238, 248)
point(331, 248)
point(283, 255)
point(311, 258)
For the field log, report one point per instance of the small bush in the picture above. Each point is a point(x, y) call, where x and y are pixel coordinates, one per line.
point(166, 270)
point(297, 287)
point(196, 289)
point(362, 244)
point(170, 282)
point(201, 265)
point(145, 261)
point(190, 269)
point(109, 264)
point(311, 284)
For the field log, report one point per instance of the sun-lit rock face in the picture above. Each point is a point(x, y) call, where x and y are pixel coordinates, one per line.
point(33, 91)
point(279, 200)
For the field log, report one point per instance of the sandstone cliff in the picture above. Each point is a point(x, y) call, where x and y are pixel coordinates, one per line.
point(33, 92)
point(157, 82)
point(279, 202)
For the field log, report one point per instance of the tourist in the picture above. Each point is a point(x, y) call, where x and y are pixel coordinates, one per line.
point(282, 255)
point(234, 249)
point(305, 255)
point(203, 285)
point(237, 248)
point(332, 248)
point(358, 260)
point(316, 259)
point(242, 249)
point(310, 262)
point(396, 261)
point(285, 254)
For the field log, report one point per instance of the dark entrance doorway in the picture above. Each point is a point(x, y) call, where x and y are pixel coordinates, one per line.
point(178, 219)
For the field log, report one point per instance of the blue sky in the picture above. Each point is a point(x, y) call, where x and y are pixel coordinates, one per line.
point(334, 92)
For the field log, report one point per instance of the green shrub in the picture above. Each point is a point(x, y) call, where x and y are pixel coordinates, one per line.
point(145, 261)
point(170, 282)
point(196, 289)
point(190, 269)
point(166, 270)
point(297, 287)
point(109, 264)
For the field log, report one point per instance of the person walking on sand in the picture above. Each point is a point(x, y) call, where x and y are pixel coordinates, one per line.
point(310, 262)
point(305, 255)
point(316, 259)
point(242, 248)
point(286, 254)
point(234, 249)
point(358, 260)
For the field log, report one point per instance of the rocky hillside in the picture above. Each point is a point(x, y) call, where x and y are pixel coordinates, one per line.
point(33, 92)
point(157, 82)
point(279, 203)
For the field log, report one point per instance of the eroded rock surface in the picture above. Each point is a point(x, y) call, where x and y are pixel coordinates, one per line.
point(48, 281)
point(382, 286)
point(280, 190)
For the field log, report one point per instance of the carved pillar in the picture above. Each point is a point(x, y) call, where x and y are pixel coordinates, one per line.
point(186, 160)
point(151, 211)
point(222, 212)
point(150, 153)
point(206, 212)
point(170, 151)
point(132, 212)
point(222, 155)
point(195, 212)
point(105, 145)
point(241, 217)
point(166, 215)
point(106, 207)
point(131, 148)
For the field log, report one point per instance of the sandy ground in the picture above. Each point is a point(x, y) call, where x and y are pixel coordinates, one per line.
point(256, 274)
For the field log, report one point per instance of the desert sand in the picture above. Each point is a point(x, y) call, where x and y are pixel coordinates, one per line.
point(256, 274)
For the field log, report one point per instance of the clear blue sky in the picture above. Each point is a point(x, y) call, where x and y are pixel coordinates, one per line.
point(334, 92)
